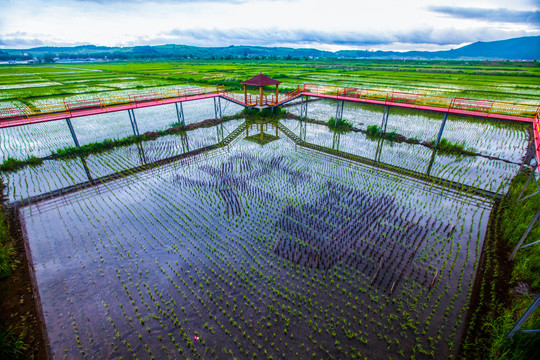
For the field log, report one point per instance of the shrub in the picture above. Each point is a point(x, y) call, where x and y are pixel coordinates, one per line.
point(7, 263)
point(373, 130)
point(12, 346)
point(266, 115)
point(34, 161)
point(97, 147)
point(177, 124)
point(447, 146)
point(6, 250)
point(12, 164)
point(341, 125)
point(392, 136)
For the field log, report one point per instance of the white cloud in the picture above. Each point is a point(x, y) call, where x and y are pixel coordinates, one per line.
point(389, 24)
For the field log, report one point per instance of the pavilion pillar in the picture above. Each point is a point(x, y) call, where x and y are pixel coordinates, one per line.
point(261, 81)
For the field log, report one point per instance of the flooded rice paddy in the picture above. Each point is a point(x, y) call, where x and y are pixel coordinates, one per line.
point(258, 251)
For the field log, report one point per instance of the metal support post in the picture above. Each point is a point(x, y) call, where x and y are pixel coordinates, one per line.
point(386, 121)
point(441, 129)
point(518, 246)
point(133, 122)
point(383, 117)
point(524, 318)
point(180, 114)
point(339, 111)
point(72, 131)
point(303, 107)
point(217, 108)
point(529, 155)
point(531, 176)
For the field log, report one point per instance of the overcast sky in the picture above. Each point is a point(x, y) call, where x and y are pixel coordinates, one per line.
point(327, 25)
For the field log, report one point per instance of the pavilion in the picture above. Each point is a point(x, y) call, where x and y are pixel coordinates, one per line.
point(260, 81)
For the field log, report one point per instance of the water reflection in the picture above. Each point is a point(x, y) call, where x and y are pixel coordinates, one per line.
point(398, 160)
point(378, 150)
point(142, 155)
point(431, 161)
point(261, 137)
point(185, 142)
point(303, 130)
point(219, 129)
point(86, 169)
point(262, 134)
point(335, 141)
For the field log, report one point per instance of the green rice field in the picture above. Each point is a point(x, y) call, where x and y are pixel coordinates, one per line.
point(243, 240)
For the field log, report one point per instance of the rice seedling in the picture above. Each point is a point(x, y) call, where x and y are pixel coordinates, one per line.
point(292, 247)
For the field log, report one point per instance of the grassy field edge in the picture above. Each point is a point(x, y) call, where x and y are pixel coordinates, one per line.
point(21, 327)
point(505, 289)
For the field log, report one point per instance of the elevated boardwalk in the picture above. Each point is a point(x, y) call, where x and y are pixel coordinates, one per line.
point(25, 115)
point(18, 116)
point(492, 109)
point(488, 109)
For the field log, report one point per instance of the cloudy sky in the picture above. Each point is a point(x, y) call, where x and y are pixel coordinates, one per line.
point(327, 25)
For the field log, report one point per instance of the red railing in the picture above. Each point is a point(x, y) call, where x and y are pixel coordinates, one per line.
point(486, 107)
point(67, 107)
point(536, 132)
point(255, 100)
point(13, 113)
point(435, 102)
point(285, 97)
point(249, 100)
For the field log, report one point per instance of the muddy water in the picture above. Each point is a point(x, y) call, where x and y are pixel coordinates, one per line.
point(266, 246)
point(263, 251)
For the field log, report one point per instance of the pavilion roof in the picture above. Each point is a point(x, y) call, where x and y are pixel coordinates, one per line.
point(261, 80)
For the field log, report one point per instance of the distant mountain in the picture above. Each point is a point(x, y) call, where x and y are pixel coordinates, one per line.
point(512, 49)
point(523, 48)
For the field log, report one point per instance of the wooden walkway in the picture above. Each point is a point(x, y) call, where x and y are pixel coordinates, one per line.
point(491, 109)
point(25, 115)
point(488, 109)
point(18, 116)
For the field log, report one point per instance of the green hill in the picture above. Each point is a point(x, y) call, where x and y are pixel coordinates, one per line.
point(523, 48)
